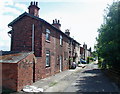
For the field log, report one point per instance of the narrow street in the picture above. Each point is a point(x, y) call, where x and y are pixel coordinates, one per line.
point(89, 79)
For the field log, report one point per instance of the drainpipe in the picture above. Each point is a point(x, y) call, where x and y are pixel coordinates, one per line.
point(33, 28)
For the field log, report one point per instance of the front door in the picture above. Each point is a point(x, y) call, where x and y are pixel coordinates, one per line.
point(60, 63)
point(33, 70)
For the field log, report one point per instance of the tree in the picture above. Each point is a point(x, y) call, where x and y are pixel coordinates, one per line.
point(108, 41)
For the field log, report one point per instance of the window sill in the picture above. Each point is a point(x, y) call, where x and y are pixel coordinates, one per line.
point(47, 41)
point(47, 67)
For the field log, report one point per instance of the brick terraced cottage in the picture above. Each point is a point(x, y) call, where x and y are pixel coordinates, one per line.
point(85, 52)
point(52, 47)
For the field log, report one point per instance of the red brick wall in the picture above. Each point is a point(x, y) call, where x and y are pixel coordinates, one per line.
point(22, 35)
point(25, 71)
point(81, 50)
point(41, 70)
point(55, 51)
point(9, 75)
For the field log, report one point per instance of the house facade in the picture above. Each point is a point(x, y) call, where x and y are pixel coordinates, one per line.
point(74, 49)
point(85, 52)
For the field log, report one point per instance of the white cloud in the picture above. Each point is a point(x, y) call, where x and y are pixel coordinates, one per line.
point(7, 14)
point(12, 11)
point(4, 38)
point(23, 7)
point(6, 2)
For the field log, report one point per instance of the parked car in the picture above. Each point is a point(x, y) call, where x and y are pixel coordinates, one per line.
point(83, 61)
point(74, 65)
point(94, 59)
point(81, 65)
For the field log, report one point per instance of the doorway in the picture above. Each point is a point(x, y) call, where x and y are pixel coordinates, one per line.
point(60, 63)
point(33, 70)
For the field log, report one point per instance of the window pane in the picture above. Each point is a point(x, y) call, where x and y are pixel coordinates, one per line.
point(47, 31)
point(47, 58)
point(47, 34)
point(60, 39)
point(47, 61)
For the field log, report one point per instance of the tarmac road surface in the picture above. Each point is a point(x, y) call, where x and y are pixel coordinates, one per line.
point(89, 79)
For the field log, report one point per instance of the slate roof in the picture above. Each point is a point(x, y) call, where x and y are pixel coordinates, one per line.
point(35, 17)
point(12, 56)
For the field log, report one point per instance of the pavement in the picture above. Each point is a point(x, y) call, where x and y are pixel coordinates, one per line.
point(51, 81)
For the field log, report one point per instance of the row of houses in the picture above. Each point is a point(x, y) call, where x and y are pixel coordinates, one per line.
point(38, 50)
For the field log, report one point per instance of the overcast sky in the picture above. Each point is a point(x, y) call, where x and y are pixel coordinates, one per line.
point(82, 17)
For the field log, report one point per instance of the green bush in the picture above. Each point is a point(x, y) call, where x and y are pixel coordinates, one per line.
point(100, 61)
point(108, 40)
point(90, 59)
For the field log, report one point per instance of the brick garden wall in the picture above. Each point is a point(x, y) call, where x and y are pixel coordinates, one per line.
point(9, 76)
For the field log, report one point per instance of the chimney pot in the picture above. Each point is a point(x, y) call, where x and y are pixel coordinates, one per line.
point(36, 3)
point(31, 3)
point(53, 22)
point(58, 21)
point(67, 32)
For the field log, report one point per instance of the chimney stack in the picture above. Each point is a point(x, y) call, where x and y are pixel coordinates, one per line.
point(67, 32)
point(36, 3)
point(34, 9)
point(85, 46)
point(56, 23)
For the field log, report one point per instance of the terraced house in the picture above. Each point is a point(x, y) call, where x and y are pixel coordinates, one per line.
point(53, 49)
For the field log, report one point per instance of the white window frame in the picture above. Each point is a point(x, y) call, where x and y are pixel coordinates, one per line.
point(61, 40)
point(47, 56)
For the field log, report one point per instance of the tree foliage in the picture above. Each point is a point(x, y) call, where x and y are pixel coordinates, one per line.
point(108, 41)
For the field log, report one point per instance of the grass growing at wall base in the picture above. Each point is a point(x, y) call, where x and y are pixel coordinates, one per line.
point(52, 84)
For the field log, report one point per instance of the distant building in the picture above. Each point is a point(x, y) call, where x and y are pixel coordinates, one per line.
point(84, 52)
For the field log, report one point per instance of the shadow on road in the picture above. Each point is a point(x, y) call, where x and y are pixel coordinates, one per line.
point(93, 81)
point(94, 71)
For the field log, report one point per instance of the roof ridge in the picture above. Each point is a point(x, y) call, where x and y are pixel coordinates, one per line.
point(25, 13)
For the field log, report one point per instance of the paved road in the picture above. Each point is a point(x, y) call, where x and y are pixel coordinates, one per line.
point(91, 79)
